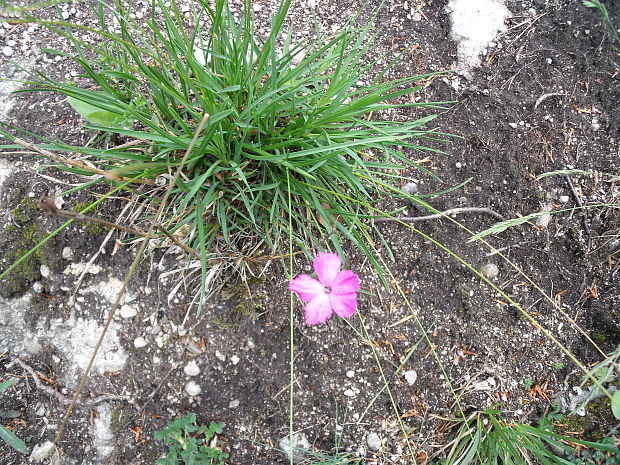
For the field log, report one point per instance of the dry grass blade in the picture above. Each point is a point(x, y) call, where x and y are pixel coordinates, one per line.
point(132, 269)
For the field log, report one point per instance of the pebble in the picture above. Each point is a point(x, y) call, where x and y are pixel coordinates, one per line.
point(67, 253)
point(411, 376)
point(374, 441)
point(192, 369)
point(7, 51)
point(411, 188)
point(513, 125)
point(193, 388)
point(490, 270)
point(220, 356)
point(300, 443)
point(233, 403)
point(234, 359)
point(128, 311)
point(156, 360)
point(37, 287)
point(564, 198)
point(45, 271)
point(350, 374)
point(349, 393)
point(139, 342)
point(257, 7)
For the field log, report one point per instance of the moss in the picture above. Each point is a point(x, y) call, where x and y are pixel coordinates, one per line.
point(246, 299)
point(10, 227)
point(599, 337)
point(19, 241)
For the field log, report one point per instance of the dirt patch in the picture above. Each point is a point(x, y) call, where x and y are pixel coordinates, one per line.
point(545, 97)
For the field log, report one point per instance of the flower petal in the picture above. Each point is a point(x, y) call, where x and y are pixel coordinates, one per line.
point(346, 282)
point(344, 305)
point(308, 288)
point(327, 265)
point(318, 310)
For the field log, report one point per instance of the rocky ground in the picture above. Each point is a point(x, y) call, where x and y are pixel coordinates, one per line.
point(537, 89)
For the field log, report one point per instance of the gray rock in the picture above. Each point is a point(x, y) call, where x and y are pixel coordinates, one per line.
point(490, 271)
point(299, 447)
point(193, 388)
point(192, 369)
point(374, 441)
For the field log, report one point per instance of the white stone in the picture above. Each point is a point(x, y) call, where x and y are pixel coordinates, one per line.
point(350, 374)
point(374, 441)
point(475, 23)
point(67, 253)
point(192, 368)
point(45, 271)
point(300, 443)
point(220, 356)
point(349, 392)
point(234, 359)
point(489, 271)
point(193, 388)
point(139, 342)
point(513, 125)
point(128, 311)
point(233, 403)
point(411, 377)
point(42, 451)
point(7, 51)
point(257, 7)
point(37, 287)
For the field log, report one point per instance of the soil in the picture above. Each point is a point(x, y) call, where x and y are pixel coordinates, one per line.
point(545, 97)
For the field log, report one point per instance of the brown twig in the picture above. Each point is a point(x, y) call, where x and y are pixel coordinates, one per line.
point(449, 212)
point(49, 207)
point(132, 270)
point(61, 398)
point(79, 164)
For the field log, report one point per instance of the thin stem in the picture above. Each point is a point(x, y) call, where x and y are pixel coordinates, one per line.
point(132, 270)
point(291, 416)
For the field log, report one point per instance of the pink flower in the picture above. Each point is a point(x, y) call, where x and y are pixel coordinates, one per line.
point(335, 291)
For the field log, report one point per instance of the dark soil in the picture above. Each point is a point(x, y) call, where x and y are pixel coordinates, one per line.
point(490, 353)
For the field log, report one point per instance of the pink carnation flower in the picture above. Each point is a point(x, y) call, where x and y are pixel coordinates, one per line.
point(335, 291)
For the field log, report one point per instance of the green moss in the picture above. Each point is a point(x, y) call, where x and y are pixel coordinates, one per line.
point(10, 227)
point(599, 337)
point(247, 300)
point(19, 241)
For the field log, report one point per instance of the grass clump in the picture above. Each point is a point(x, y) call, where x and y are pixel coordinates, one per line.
point(286, 121)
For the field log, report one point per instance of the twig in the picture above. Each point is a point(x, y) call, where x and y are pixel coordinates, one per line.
point(64, 400)
point(132, 270)
point(577, 198)
point(48, 206)
point(544, 97)
point(449, 212)
point(79, 163)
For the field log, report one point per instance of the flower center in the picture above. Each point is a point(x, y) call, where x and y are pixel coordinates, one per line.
point(327, 289)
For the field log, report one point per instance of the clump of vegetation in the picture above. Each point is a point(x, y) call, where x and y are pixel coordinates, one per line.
point(487, 438)
point(288, 142)
point(190, 443)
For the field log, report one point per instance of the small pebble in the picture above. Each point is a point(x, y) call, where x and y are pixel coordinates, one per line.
point(349, 393)
point(127, 311)
point(513, 125)
point(67, 253)
point(234, 359)
point(374, 441)
point(563, 199)
point(139, 342)
point(411, 376)
point(490, 271)
point(350, 374)
point(45, 271)
point(411, 188)
point(193, 388)
point(192, 369)
point(233, 403)
point(7, 51)
point(37, 287)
